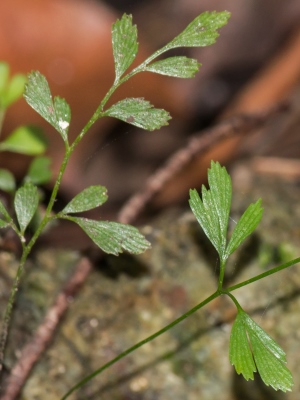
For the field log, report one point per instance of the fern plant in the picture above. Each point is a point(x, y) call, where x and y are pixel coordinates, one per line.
point(250, 347)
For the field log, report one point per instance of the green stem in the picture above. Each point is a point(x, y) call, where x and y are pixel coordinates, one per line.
point(221, 275)
point(264, 274)
point(237, 304)
point(141, 343)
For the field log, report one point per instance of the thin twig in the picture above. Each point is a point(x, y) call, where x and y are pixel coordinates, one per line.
point(197, 144)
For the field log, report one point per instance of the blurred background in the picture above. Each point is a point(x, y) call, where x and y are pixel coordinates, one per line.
point(253, 68)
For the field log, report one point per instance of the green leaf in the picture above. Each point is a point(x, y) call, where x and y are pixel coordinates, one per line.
point(202, 31)
point(257, 331)
point(113, 237)
point(38, 96)
point(179, 67)
point(221, 192)
point(92, 197)
point(240, 354)
point(212, 212)
point(26, 203)
point(4, 213)
point(248, 341)
point(206, 217)
point(245, 226)
point(125, 44)
point(14, 89)
point(39, 171)
point(139, 112)
point(7, 181)
point(27, 140)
